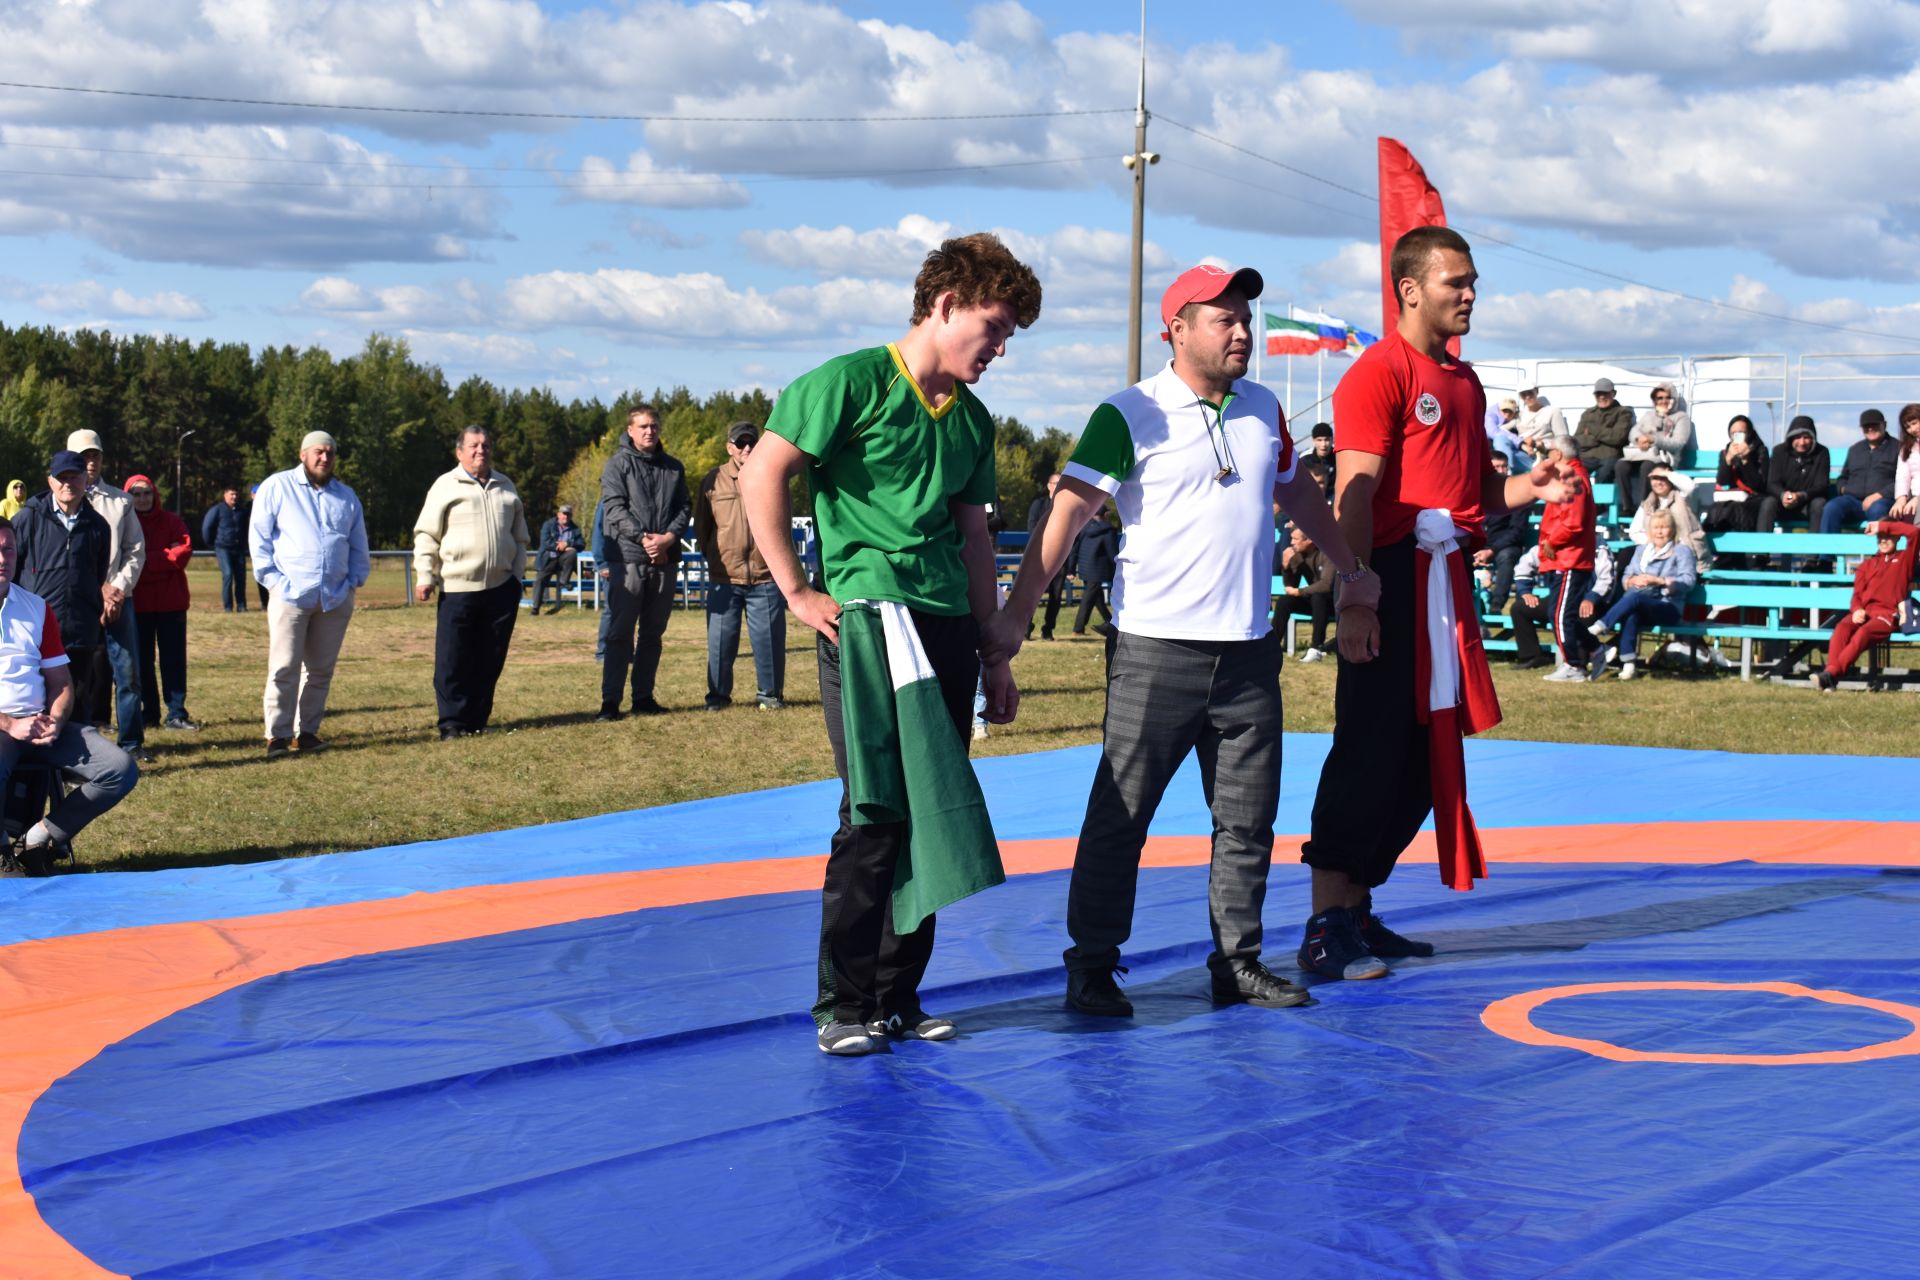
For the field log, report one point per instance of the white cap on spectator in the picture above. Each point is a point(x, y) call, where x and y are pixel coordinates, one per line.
point(317, 440)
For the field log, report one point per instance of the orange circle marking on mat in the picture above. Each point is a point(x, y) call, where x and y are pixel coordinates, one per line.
point(1513, 1018)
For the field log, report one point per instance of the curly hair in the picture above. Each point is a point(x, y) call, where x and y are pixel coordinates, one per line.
point(979, 271)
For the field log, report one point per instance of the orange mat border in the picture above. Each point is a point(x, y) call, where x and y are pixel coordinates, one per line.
point(66, 999)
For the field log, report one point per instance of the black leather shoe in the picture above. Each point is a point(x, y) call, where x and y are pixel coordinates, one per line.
point(648, 707)
point(610, 716)
point(1094, 991)
point(1250, 982)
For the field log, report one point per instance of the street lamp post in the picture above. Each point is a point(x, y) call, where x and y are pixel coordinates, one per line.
point(179, 490)
point(1138, 162)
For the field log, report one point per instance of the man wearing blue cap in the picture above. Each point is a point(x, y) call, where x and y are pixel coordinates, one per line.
point(65, 556)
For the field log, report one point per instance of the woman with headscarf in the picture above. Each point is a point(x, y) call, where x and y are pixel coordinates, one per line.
point(1663, 434)
point(16, 498)
point(1667, 491)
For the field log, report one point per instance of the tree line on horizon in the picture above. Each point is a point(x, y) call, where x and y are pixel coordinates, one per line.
point(395, 419)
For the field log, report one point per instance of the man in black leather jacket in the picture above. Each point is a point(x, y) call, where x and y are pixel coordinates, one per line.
point(644, 502)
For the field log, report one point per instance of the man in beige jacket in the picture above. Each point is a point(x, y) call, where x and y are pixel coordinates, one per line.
point(471, 542)
point(738, 584)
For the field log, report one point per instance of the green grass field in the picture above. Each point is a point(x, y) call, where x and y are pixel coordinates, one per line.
point(212, 797)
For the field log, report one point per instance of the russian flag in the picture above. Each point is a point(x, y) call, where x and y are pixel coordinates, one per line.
point(1331, 331)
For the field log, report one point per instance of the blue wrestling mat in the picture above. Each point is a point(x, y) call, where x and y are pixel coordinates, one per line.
point(1670, 1043)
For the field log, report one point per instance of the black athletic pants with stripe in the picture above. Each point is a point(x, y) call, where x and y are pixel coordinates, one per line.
point(866, 969)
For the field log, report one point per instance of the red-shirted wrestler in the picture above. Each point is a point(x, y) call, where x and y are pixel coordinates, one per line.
point(1413, 483)
point(1879, 585)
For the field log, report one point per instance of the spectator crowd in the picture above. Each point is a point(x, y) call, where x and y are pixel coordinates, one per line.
point(97, 573)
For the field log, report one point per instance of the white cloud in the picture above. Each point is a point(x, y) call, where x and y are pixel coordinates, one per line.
point(458, 302)
point(1766, 125)
point(1057, 386)
point(90, 297)
point(1731, 40)
point(1355, 265)
point(895, 251)
point(230, 195)
point(1082, 270)
point(643, 182)
point(699, 306)
point(1594, 321)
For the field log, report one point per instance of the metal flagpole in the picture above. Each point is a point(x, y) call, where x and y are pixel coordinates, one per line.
point(1259, 335)
point(1138, 162)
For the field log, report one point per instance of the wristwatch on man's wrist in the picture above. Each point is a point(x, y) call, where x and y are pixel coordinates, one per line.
point(1359, 572)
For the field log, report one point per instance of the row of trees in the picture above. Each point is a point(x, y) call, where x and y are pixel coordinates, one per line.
point(229, 416)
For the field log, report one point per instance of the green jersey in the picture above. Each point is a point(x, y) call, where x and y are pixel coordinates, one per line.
point(885, 464)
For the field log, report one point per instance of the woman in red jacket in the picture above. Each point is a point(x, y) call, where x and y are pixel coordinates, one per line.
point(1879, 585)
point(160, 605)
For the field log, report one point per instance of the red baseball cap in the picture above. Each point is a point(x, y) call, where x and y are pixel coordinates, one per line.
point(1204, 284)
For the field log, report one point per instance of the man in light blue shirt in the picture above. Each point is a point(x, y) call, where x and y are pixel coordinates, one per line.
point(308, 537)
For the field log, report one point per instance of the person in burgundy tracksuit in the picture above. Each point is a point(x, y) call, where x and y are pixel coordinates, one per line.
point(1879, 585)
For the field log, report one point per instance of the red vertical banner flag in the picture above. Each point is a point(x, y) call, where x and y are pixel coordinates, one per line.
point(1407, 200)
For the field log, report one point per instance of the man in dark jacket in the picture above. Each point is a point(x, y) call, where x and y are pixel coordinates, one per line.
point(1306, 577)
point(1797, 478)
point(65, 550)
point(224, 528)
point(1095, 554)
point(561, 542)
point(643, 494)
point(1603, 431)
point(1036, 514)
point(1319, 459)
point(1866, 477)
point(1507, 538)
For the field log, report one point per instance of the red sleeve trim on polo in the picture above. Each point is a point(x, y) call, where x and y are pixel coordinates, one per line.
point(53, 653)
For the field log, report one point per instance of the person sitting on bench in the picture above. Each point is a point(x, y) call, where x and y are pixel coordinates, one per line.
point(1879, 585)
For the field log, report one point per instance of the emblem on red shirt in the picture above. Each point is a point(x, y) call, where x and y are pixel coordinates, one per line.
point(1427, 409)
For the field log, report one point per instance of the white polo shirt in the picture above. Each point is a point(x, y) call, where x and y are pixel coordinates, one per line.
point(29, 644)
point(1196, 550)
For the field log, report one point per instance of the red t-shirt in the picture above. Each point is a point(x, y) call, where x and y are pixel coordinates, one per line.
point(1428, 421)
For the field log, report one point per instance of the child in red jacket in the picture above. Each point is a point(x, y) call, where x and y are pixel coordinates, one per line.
point(1879, 585)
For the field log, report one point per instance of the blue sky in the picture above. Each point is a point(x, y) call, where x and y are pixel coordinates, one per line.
point(1751, 152)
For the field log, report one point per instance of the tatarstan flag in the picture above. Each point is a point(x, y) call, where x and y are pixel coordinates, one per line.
point(1292, 337)
point(906, 763)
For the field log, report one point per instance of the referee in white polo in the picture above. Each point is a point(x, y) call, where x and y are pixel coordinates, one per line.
point(1193, 457)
